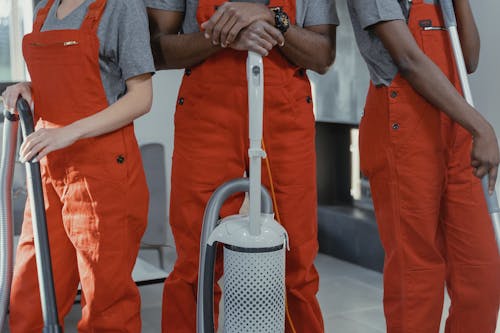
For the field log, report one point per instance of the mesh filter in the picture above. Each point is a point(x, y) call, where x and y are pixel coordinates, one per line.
point(254, 292)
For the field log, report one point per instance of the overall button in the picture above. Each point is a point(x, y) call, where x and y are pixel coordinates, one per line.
point(301, 72)
point(187, 71)
point(309, 99)
point(394, 94)
point(181, 101)
point(395, 126)
point(120, 159)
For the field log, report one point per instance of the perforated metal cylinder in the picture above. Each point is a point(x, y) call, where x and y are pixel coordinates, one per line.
point(254, 290)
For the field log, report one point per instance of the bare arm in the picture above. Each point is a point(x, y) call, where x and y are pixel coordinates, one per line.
point(469, 35)
point(136, 102)
point(174, 50)
point(311, 47)
point(420, 71)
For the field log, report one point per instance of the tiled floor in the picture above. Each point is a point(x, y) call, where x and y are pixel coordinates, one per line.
point(350, 298)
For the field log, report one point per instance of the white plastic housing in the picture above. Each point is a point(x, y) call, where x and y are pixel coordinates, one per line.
point(234, 230)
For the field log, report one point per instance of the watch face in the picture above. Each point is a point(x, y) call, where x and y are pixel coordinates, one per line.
point(285, 20)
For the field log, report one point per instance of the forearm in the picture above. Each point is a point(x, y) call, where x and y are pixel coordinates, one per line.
point(181, 51)
point(469, 35)
point(133, 104)
point(428, 80)
point(310, 49)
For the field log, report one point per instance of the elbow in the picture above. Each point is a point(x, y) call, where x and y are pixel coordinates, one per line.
point(471, 63)
point(322, 66)
point(471, 67)
point(147, 102)
point(406, 65)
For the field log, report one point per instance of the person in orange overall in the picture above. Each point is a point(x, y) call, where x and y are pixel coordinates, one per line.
point(91, 67)
point(424, 149)
point(211, 130)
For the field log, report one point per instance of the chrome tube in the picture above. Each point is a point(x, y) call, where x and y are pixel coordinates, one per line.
point(7, 162)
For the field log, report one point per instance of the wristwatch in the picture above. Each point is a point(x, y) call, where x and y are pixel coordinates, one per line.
point(281, 20)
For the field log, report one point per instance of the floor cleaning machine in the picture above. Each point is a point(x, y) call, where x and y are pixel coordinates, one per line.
point(451, 25)
point(35, 193)
point(254, 244)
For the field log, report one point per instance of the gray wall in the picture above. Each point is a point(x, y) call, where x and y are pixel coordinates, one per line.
point(485, 82)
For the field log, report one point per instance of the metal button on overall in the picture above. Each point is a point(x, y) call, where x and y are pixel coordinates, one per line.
point(181, 101)
point(187, 72)
point(120, 159)
point(395, 126)
point(394, 94)
point(309, 99)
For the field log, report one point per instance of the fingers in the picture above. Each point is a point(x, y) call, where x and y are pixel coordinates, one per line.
point(230, 34)
point(209, 25)
point(489, 170)
point(12, 93)
point(33, 145)
point(275, 34)
point(213, 31)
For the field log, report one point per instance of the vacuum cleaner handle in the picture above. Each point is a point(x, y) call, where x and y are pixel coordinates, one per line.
point(41, 239)
point(7, 162)
point(451, 25)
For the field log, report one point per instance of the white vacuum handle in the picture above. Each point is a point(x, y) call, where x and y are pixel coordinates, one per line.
point(255, 78)
point(451, 25)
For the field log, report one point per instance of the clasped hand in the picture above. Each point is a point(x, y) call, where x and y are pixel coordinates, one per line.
point(244, 27)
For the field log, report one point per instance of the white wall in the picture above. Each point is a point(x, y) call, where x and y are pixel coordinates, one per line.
point(158, 124)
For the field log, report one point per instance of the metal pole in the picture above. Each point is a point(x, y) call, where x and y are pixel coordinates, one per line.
point(7, 162)
point(451, 25)
point(255, 78)
point(41, 239)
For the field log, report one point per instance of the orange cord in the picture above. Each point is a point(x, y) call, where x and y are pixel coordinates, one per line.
point(276, 210)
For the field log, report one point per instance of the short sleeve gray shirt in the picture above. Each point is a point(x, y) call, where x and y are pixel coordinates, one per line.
point(364, 14)
point(308, 12)
point(123, 34)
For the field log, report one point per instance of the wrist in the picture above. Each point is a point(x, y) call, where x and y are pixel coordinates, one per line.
point(269, 17)
point(281, 20)
point(75, 131)
point(479, 126)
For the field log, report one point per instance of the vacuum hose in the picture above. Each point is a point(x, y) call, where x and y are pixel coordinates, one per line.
point(7, 162)
point(42, 251)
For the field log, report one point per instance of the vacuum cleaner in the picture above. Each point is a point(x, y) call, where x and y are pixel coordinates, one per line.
point(254, 244)
point(35, 194)
point(450, 22)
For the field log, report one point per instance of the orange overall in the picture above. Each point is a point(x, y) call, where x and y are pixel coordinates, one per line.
point(211, 147)
point(430, 209)
point(95, 191)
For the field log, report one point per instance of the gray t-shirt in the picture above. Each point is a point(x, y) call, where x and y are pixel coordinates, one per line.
point(364, 14)
point(123, 33)
point(308, 12)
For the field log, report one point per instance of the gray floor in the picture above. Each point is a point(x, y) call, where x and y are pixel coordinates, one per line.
point(350, 299)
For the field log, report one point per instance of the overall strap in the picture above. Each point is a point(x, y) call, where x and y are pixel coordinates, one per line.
point(94, 14)
point(41, 16)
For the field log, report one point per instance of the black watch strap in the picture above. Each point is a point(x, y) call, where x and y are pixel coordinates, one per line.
point(281, 20)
